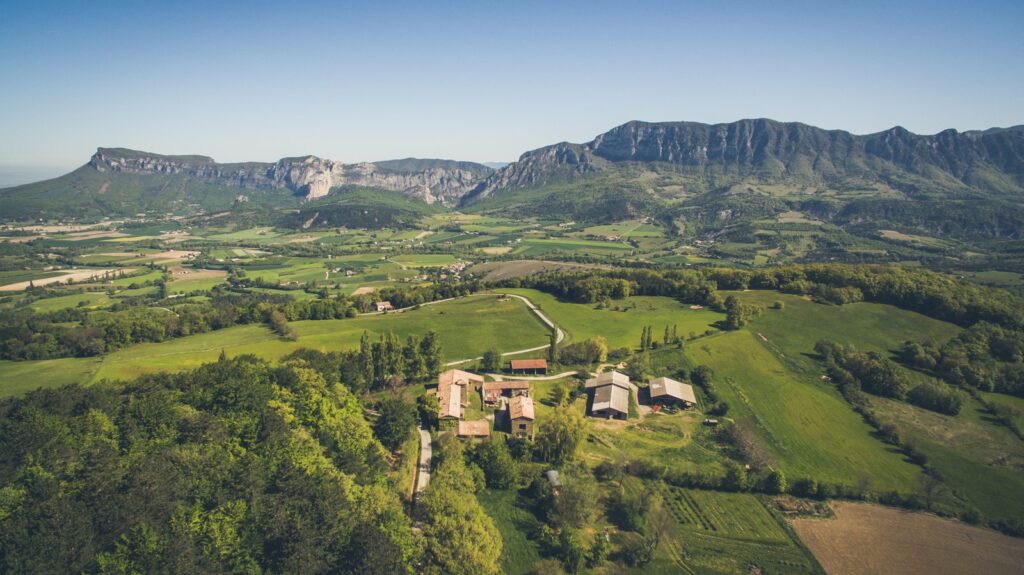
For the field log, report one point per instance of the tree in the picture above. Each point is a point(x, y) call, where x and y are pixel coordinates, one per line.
point(574, 506)
point(666, 338)
point(735, 477)
point(500, 469)
point(395, 421)
point(561, 434)
point(491, 360)
point(639, 366)
point(415, 367)
point(775, 482)
point(279, 324)
point(430, 349)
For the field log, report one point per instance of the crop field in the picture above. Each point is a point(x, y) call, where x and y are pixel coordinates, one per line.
point(539, 246)
point(424, 260)
point(466, 327)
point(625, 229)
point(806, 424)
point(622, 327)
point(727, 533)
point(865, 538)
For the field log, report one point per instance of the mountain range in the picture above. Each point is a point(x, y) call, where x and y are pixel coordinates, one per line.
point(687, 171)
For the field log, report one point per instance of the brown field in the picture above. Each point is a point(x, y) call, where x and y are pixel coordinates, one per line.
point(180, 273)
point(363, 289)
point(866, 538)
point(496, 250)
point(79, 236)
point(520, 268)
point(77, 275)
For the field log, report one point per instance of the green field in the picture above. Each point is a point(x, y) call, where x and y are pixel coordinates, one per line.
point(622, 328)
point(804, 422)
point(467, 327)
point(91, 299)
point(18, 377)
point(518, 553)
point(424, 260)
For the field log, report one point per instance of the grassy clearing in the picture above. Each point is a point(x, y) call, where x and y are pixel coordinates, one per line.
point(91, 299)
point(807, 425)
point(18, 377)
point(622, 328)
point(518, 554)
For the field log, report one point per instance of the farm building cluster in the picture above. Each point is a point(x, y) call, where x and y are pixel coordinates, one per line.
point(453, 390)
point(610, 391)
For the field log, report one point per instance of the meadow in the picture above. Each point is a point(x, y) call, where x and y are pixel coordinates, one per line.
point(805, 423)
point(466, 327)
point(622, 327)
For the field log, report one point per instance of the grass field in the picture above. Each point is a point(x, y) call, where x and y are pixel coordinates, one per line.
point(622, 328)
point(18, 377)
point(92, 299)
point(424, 260)
point(466, 327)
point(867, 538)
point(807, 425)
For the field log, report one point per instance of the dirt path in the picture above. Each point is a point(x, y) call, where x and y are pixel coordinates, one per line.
point(500, 377)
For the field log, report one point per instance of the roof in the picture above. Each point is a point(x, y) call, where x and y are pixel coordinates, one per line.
point(475, 428)
point(503, 385)
point(552, 475)
point(520, 407)
point(665, 387)
point(458, 377)
point(529, 364)
point(449, 400)
point(609, 378)
point(611, 397)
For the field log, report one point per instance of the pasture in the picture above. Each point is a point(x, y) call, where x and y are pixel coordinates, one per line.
point(805, 423)
point(466, 327)
point(19, 377)
point(622, 324)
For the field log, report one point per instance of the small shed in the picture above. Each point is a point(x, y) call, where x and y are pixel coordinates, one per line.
point(521, 416)
point(533, 366)
point(384, 306)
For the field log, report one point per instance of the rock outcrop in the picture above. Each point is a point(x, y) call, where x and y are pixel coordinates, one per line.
point(431, 181)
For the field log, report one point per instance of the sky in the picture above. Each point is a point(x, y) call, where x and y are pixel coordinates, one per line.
point(481, 80)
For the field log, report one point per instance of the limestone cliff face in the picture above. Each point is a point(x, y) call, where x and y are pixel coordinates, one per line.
point(779, 152)
point(427, 180)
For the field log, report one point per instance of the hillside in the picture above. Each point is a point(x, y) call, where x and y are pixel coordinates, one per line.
point(712, 175)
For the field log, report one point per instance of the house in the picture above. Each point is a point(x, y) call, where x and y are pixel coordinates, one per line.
point(610, 395)
point(453, 393)
point(384, 306)
point(533, 366)
point(520, 415)
point(665, 391)
point(476, 428)
point(491, 391)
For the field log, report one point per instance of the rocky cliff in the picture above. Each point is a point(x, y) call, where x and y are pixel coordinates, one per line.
point(777, 151)
point(431, 181)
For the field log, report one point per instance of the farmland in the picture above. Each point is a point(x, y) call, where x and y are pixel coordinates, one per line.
point(874, 539)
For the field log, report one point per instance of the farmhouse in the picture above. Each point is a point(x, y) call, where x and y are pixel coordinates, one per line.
point(665, 391)
point(476, 428)
point(384, 306)
point(453, 393)
point(520, 415)
point(610, 395)
point(493, 390)
point(533, 366)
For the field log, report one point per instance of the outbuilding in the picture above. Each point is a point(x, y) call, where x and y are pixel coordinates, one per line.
point(531, 366)
point(666, 391)
point(610, 395)
point(521, 416)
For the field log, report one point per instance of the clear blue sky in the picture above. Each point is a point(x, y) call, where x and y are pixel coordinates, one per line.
point(482, 80)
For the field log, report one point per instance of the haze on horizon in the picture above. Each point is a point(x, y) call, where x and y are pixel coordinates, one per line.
point(256, 81)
